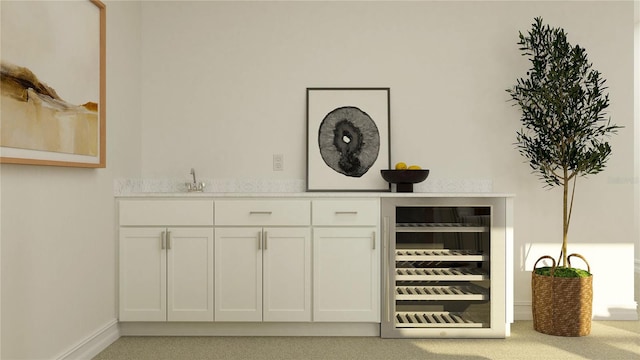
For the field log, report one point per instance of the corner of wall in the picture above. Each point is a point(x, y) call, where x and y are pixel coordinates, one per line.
point(94, 344)
point(636, 42)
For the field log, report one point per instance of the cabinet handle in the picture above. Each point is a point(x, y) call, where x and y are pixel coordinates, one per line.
point(346, 213)
point(373, 240)
point(260, 240)
point(260, 212)
point(169, 240)
point(163, 240)
point(265, 239)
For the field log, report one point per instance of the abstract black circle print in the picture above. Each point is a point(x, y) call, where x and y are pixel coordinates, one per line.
point(349, 141)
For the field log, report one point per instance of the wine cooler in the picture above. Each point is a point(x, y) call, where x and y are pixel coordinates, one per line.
point(445, 267)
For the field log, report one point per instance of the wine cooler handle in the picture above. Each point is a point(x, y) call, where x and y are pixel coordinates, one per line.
point(386, 253)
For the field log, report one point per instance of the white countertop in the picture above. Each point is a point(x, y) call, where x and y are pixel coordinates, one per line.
point(293, 188)
point(311, 194)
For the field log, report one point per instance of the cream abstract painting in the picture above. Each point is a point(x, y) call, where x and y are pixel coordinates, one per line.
point(52, 83)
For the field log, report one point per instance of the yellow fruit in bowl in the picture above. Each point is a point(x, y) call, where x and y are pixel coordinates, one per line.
point(414, 167)
point(401, 166)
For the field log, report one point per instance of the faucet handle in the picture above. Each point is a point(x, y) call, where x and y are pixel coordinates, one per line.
point(195, 187)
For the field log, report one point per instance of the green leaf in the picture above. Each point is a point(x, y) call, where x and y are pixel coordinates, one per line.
point(564, 272)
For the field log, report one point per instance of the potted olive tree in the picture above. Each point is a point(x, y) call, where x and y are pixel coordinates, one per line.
point(563, 136)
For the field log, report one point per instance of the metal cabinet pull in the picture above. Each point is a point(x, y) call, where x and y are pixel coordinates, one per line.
point(260, 212)
point(385, 266)
point(265, 239)
point(373, 238)
point(346, 213)
point(260, 240)
point(163, 240)
point(168, 240)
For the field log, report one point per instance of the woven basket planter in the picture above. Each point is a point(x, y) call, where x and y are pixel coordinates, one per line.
point(562, 306)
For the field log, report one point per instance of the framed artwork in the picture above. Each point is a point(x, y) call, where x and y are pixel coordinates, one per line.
point(52, 109)
point(347, 139)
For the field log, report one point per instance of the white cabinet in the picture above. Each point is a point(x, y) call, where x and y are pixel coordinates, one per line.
point(238, 274)
point(174, 212)
point(262, 273)
point(346, 275)
point(166, 273)
point(346, 258)
point(286, 263)
point(190, 275)
point(314, 265)
point(143, 275)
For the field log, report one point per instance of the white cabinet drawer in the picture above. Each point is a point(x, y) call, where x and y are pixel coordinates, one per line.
point(263, 212)
point(348, 212)
point(166, 212)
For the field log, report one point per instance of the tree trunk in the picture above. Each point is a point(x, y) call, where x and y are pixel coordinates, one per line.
point(565, 218)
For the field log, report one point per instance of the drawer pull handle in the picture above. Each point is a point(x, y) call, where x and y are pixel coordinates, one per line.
point(346, 213)
point(163, 240)
point(169, 240)
point(265, 239)
point(260, 212)
point(373, 238)
point(260, 240)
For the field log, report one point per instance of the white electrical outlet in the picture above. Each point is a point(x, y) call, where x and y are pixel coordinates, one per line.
point(278, 162)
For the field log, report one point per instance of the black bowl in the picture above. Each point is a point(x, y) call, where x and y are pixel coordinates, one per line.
point(404, 179)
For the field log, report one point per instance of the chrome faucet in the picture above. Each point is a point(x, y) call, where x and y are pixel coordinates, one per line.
point(195, 186)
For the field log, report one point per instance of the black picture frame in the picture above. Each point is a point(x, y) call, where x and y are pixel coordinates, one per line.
point(348, 138)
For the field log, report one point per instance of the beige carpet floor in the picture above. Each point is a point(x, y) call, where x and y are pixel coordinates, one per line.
point(608, 340)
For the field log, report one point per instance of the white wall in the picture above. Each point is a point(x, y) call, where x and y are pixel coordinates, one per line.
point(223, 89)
point(637, 128)
point(57, 224)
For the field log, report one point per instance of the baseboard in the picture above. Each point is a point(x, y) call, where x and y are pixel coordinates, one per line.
point(94, 344)
point(522, 311)
point(248, 329)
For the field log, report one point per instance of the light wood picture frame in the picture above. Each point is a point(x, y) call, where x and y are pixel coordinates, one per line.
point(53, 109)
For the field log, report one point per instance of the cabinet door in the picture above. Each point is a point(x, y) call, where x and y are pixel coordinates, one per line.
point(287, 274)
point(238, 274)
point(142, 275)
point(346, 274)
point(190, 274)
